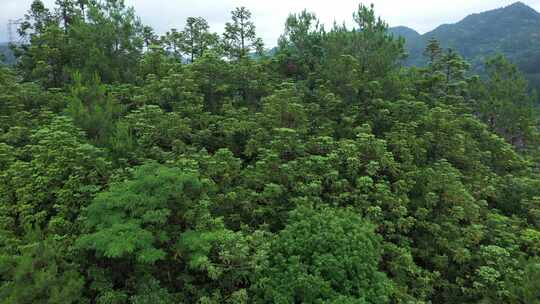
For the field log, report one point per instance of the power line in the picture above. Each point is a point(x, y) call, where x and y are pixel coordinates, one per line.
point(12, 26)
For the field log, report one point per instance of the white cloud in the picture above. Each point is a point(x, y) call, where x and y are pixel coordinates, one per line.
point(269, 16)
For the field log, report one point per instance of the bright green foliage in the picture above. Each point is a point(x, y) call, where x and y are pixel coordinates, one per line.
point(128, 220)
point(24, 106)
point(158, 170)
point(324, 256)
point(161, 216)
point(55, 176)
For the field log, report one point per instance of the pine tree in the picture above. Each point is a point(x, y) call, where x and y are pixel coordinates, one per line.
point(196, 38)
point(240, 38)
point(433, 50)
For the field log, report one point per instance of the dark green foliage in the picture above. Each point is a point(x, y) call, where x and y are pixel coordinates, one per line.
point(196, 38)
point(506, 106)
point(6, 55)
point(98, 37)
point(39, 273)
point(240, 38)
point(144, 169)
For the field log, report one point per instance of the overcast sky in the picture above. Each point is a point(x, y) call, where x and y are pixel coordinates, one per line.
point(269, 16)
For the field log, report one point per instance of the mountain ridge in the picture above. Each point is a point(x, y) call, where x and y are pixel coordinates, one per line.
point(513, 31)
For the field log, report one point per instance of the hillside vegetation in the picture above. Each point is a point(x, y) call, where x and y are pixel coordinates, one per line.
point(143, 169)
point(513, 31)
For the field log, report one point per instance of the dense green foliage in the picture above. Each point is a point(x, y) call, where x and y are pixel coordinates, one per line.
point(512, 31)
point(183, 169)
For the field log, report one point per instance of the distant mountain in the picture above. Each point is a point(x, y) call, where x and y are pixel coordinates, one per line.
point(6, 55)
point(405, 32)
point(513, 31)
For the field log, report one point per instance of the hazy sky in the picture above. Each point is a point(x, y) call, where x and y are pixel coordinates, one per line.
point(269, 16)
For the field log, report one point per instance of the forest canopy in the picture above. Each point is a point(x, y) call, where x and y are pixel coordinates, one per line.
point(196, 167)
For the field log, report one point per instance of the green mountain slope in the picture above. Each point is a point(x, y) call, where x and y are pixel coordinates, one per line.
point(406, 32)
point(513, 31)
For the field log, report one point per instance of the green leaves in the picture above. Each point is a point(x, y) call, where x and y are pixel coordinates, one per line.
point(323, 173)
point(129, 218)
point(57, 178)
point(93, 37)
point(40, 273)
point(121, 240)
point(325, 255)
point(239, 38)
point(506, 106)
point(196, 38)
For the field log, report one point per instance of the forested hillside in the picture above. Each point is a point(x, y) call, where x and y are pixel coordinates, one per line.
point(137, 168)
point(513, 31)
